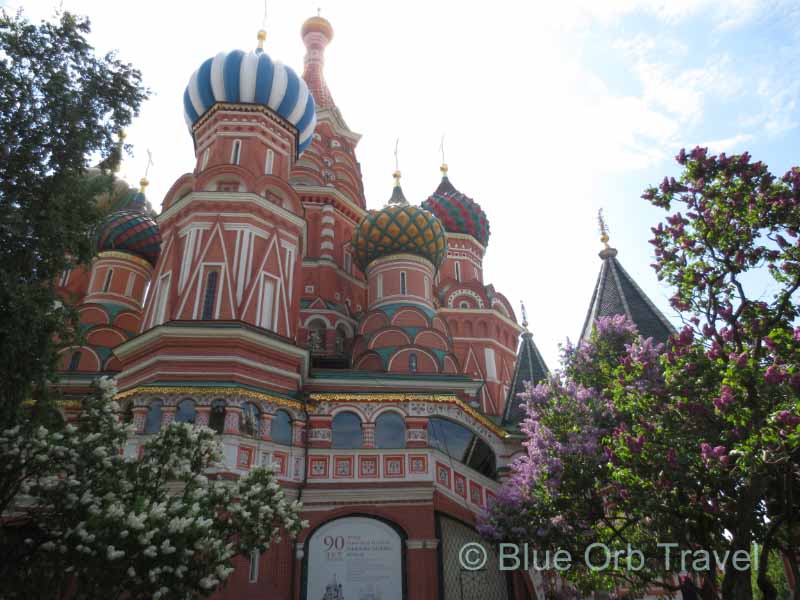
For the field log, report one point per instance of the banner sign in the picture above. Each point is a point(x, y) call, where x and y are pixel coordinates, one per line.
point(355, 558)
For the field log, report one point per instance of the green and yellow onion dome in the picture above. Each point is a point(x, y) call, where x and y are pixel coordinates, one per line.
point(458, 213)
point(399, 228)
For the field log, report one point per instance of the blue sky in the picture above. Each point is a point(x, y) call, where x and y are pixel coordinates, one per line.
point(551, 110)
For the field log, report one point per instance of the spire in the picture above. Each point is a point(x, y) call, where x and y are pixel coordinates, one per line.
point(262, 33)
point(317, 33)
point(397, 197)
point(616, 293)
point(607, 250)
point(530, 366)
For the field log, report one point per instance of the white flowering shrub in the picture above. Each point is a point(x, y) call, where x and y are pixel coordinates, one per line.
point(78, 516)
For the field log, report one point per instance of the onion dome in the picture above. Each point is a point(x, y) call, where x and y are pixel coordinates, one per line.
point(239, 77)
point(399, 228)
point(131, 230)
point(458, 213)
point(317, 24)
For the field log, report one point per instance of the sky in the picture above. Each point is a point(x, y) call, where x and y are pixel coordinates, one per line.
point(550, 110)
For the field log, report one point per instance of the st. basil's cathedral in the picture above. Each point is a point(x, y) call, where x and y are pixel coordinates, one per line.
point(361, 352)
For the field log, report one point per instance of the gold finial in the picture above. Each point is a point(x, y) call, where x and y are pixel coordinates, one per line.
point(121, 135)
point(144, 182)
point(603, 228)
point(396, 176)
point(443, 168)
point(524, 316)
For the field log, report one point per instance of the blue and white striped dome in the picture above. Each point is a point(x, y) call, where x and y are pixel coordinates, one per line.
point(251, 78)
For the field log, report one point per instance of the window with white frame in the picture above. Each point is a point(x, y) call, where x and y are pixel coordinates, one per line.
point(236, 152)
point(458, 270)
point(107, 283)
point(491, 364)
point(210, 308)
point(206, 154)
point(427, 288)
point(161, 300)
point(269, 162)
point(403, 283)
point(348, 263)
point(265, 315)
point(379, 286)
point(255, 555)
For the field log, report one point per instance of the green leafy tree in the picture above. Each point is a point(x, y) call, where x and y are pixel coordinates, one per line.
point(60, 106)
point(701, 446)
point(81, 516)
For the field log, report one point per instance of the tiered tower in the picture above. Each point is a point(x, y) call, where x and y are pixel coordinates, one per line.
point(328, 180)
point(481, 320)
point(112, 296)
point(400, 248)
point(226, 290)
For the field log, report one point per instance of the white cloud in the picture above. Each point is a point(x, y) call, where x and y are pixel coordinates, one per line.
point(727, 144)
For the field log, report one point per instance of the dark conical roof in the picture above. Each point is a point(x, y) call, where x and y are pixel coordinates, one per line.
point(530, 367)
point(616, 293)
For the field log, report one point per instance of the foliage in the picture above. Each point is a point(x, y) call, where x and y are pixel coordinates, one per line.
point(698, 444)
point(84, 516)
point(60, 105)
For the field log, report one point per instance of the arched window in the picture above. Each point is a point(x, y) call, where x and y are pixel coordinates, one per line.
point(390, 431)
point(281, 431)
point(205, 159)
point(152, 423)
point(216, 420)
point(251, 420)
point(316, 335)
point(346, 428)
point(186, 412)
point(458, 270)
point(460, 443)
point(403, 284)
point(412, 362)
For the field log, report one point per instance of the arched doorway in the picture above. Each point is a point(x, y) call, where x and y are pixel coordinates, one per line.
point(355, 557)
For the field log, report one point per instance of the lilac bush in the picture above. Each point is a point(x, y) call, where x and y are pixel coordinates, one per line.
point(698, 442)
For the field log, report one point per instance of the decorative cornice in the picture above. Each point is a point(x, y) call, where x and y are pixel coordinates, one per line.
point(210, 391)
point(400, 257)
point(304, 189)
point(238, 330)
point(245, 108)
point(399, 397)
point(484, 311)
point(126, 256)
point(257, 199)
